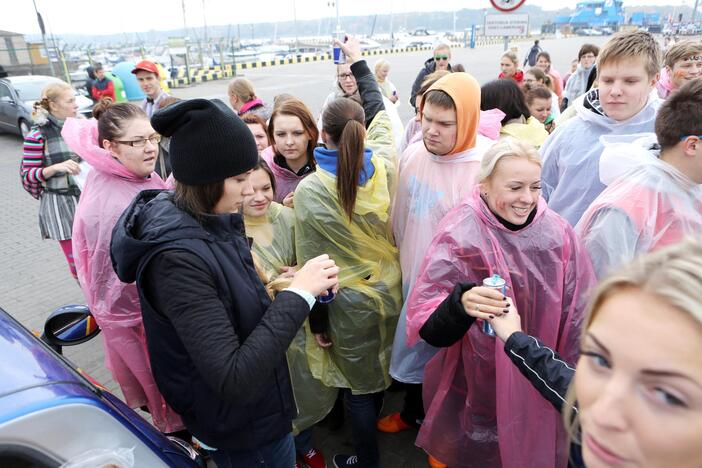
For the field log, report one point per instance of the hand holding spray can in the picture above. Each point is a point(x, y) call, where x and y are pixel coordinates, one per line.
point(326, 298)
point(493, 282)
point(338, 54)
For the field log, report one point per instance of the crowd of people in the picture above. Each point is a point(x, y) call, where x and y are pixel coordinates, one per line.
point(523, 259)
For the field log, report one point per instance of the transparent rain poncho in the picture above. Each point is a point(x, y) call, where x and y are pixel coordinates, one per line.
point(364, 314)
point(480, 411)
point(274, 247)
point(647, 204)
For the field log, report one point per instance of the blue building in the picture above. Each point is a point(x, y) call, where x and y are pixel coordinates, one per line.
point(589, 14)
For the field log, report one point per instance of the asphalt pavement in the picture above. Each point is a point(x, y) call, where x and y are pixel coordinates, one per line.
point(34, 278)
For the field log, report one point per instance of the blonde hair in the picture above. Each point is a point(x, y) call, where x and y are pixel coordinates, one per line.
point(682, 50)
point(512, 56)
point(442, 46)
point(379, 65)
point(637, 45)
point(242, 89)
point(506, 147)
point(672, 274)
point(49, 94)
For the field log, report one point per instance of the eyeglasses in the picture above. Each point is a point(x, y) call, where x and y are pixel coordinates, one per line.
point(153, 139)
point(441, 57)
point(588, 56)
point(344, 76)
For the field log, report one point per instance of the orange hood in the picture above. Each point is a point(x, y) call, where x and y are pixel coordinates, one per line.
point(465, 92)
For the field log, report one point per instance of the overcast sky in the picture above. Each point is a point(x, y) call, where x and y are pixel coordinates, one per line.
point(107, 17)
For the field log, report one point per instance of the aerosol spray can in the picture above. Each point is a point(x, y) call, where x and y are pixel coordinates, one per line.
point(493, 282)
point(337, 53)
point(326, 298)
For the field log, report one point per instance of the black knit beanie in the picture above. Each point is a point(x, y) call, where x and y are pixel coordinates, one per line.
point(209, 142)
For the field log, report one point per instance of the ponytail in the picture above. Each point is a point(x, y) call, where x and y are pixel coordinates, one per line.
point(349, 164)
point(343, 122)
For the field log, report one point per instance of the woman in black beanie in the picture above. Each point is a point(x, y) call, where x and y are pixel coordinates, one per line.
point(216, 342)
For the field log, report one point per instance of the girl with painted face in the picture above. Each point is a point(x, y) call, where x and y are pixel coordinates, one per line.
point(122, 147)
point(683, 63)
point(472, 392)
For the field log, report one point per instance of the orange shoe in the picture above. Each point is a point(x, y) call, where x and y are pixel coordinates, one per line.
point(434, 463)
point(392, 423)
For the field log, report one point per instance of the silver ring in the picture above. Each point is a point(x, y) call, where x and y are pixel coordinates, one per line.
point(477, 307)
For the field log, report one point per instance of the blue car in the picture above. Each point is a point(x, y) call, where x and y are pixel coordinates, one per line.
point(51, 414)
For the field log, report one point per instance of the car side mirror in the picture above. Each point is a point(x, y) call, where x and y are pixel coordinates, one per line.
point(70, 325)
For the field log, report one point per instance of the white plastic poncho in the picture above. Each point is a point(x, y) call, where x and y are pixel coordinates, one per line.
point(571, 156)
point(647, 204)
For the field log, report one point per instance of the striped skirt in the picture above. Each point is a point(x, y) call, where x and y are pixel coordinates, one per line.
point(56, 214)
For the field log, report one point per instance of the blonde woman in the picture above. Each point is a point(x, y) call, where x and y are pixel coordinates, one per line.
point(472, 392)
point(382, 70)
point(629, 387)
point(48, 166)
point(243, 99)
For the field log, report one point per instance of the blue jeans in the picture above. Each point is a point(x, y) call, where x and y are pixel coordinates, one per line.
point(277, 454)
point(303, 441)
point(363, 411)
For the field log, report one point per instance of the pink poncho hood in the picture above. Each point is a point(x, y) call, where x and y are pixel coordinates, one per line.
point(285, 180)
point(472, 391)
point(108, 190)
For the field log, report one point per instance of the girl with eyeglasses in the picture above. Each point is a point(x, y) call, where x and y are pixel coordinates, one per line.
point(122, 148)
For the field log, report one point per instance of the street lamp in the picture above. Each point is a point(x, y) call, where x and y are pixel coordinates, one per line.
point(43, 38)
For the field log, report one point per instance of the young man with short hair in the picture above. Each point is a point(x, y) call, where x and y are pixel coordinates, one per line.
point(654, 192)
point(683, 62)
point(102, 86)
point(434, 175)
point(625, 103)
point(150, 82)
point(439, 61)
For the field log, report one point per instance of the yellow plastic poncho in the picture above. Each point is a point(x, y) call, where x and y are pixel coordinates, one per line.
point(273, 248)
point(532, 131)
point(363, 317)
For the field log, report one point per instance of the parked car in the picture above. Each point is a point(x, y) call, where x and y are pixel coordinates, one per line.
point(17, 96)
point(51, 413)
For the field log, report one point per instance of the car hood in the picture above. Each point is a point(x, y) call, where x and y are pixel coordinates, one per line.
point(25, 362)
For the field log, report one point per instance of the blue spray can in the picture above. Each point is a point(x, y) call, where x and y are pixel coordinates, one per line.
point(326, 298)
point(493, 282)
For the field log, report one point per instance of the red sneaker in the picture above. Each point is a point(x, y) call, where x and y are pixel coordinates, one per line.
point(392, 423)
point(314, 459)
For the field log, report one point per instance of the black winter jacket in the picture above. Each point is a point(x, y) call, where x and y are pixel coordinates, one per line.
point(429, 68)
point(216, 342)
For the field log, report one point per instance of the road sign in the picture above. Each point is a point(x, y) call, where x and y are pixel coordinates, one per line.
point(507, 5)
point(506, 25)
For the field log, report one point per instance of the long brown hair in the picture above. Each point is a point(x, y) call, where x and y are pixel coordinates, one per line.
point(296, 108)
point(197, 200)
point(344, 123)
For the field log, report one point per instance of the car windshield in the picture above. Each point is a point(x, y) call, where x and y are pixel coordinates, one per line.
point(29, 90)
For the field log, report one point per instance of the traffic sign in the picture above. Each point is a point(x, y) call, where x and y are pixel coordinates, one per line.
point(507, 5)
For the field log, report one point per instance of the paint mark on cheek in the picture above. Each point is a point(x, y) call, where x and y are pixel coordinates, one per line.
point(680, 74)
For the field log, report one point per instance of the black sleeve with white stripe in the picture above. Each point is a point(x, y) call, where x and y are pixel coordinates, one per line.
point(544, 368)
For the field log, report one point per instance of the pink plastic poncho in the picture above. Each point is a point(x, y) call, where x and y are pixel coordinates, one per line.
point(108, 190)
point(472, 391)
point(647, 204)
point(285, 180)
point(428, 187)
point(665, 85)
